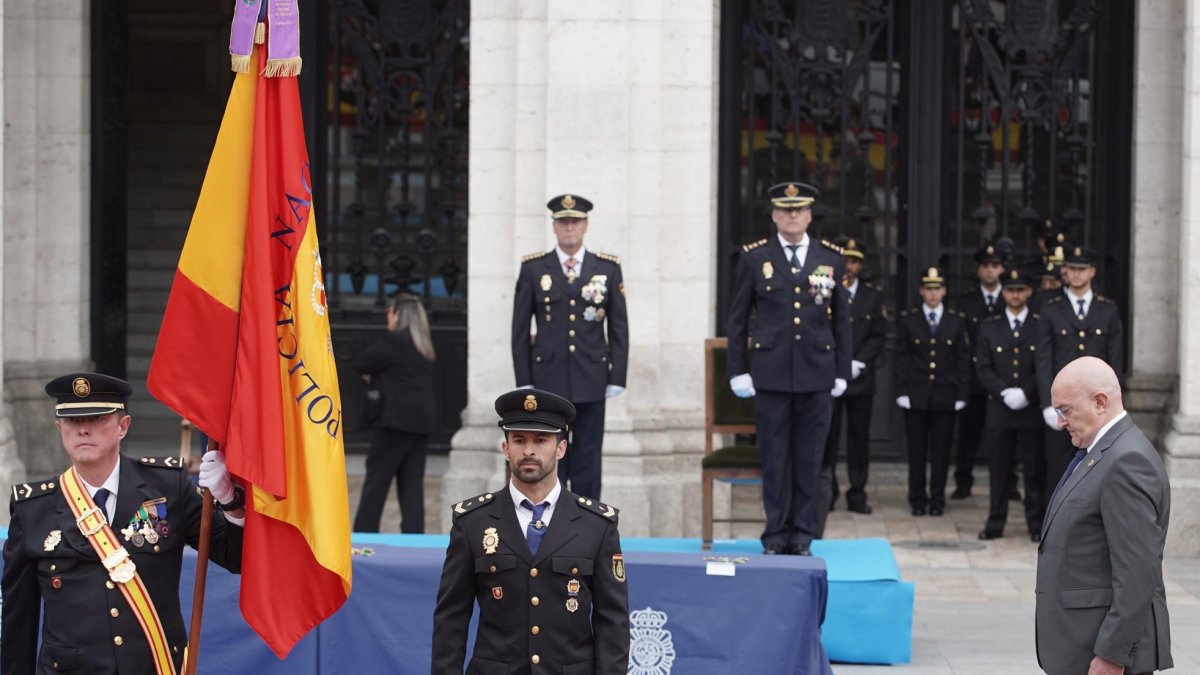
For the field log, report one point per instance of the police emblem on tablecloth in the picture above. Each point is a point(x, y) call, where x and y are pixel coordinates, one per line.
point(651, 650)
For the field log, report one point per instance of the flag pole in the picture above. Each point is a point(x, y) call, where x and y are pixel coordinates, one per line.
point(193, 646)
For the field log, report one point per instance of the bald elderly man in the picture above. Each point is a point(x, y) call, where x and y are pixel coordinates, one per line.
point(1101, 607)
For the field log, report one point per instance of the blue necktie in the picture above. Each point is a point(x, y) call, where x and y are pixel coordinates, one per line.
point(1079, 455)
point(536, 529)
point(1016, 325)
point(1081, 312)
point(932, 323)
point(101, 499)
point(793, 258)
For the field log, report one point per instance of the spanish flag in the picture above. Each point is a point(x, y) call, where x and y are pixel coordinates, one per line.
point(245, 354)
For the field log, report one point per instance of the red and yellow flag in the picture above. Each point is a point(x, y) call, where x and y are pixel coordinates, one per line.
point(245, 354)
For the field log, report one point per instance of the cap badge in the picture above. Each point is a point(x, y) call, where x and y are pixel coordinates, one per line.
point(81, 387)
point(851, 244)
point(530, 403)
point(1078, 251)
point(932, 272)
point(1013, 275)
point(568, 202)
point(491, 539)
point(791, 190)
point(1060, 238)
point(991, 250)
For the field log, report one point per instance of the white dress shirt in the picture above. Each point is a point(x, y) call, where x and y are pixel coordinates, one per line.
point(801, 253)
point(994, 294)
point(111, 483)
point(937, 313)
point(1104, 430)
point(1017, 317)
point(852, 289)
point(524, 515)
point(562, 259)
point(1074, 300)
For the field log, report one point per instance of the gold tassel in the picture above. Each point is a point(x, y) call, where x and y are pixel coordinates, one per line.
point(283, 67)
point(239, 63)
point(260, 33)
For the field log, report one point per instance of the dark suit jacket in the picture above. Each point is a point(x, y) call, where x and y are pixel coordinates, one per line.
point(801, 338)
point(581, 544)
point(1062, 338)
point(70, 583)
point(868, 324)
point(973, 307)
point(1099, 574)
point(404, 379)
point(1006, 359)
point(933, 371)
point(582, 343)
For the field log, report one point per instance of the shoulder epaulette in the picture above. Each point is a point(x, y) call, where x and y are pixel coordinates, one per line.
point(872, 286)
point(472, 504)
point(534, 256)
point(746, 248)
point(904, 312)
point(25, 491)
point(1034, 316)
point(168, 462)
point(960, 313)
point(609, 257)
point(598, 508)
point(832, 246)
point(1058, 297)
point(1101, 298)
point(996, 317)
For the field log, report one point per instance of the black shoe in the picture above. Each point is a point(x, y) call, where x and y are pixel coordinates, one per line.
point(1015, 495)
point(985, 535)
point(935, 511)
point(1035, 537)
point(918, 510)
point(775, 549)
point(864, 509)
point(960, 493)
point(800, 549)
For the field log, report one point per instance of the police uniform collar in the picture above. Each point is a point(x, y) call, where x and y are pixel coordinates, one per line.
point(111, 483)
point(852, 289)
point(1020, 317)
point(994, 293)
point(551, 498)
point(1086, 297)
point(937, 311)
point(785, 243)
point(562, 255)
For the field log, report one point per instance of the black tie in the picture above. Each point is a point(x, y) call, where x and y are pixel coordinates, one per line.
point(793, 257)
point(1081, 314)
point(991, 300)
point(536, 529)
point(932, 323)
point(1016, 325)
point(101, 499)
point(1079, 455)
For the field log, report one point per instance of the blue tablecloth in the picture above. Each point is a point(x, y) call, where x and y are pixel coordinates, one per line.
point(765, 619)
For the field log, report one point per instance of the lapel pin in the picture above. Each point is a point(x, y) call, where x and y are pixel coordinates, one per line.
point(498, 592)
point(572, 604)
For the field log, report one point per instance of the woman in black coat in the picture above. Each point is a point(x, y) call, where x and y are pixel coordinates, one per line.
point(400, 365)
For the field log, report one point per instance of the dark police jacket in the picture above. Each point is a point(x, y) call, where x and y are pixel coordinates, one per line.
point(527, 613)
point(933, 371)
point(79, 628)
point(573, 354)
point(1062, 338)
point(868, 323)
point(405, 381)
point(801, 336)
point(1004, 359)
point(973, 307)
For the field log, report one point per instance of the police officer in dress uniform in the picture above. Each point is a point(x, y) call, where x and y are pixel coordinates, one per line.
point(868, 322)
point(581, 350)
point(1050, 276)
point(932, 365)
point(134, 515)
point(801, 345)
point(543, 564)
point(1005, 362)
point(1077, 322)
point(977, 305)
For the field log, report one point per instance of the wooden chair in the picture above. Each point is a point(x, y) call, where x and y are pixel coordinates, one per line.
point(724, 413)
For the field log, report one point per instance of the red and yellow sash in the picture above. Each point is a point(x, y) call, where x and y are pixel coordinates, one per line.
point(120, 567)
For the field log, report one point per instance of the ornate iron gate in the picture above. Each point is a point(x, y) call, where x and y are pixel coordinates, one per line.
point(396, 185)
point(930, 127)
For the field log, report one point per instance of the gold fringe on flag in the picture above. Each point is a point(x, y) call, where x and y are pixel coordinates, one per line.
point(260, 33)
point(283, 67)
point(239, 63)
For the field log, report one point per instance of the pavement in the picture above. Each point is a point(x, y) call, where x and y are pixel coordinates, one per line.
point(973, 612)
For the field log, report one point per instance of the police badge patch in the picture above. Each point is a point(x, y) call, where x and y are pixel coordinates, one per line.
point(491, 539)
point(618, 567)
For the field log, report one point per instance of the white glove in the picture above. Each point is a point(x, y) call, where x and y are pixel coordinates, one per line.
point(1014, 398)
point(1050, 417)
point(215, 477)
point(903, 402)
point(839, 387)
point(613, 390)
point(856, 368)
point(959, 405)
point(742, 385)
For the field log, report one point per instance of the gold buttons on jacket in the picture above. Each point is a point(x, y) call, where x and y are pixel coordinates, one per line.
point(114, 613)
point(932, 376)
point(571, 348)
point(535, 659)
point(796, 321)
point(796, 304)
point(933, 364)
point(1081, 347)
point(109, 585)
point(572, 303)
point(118, 641)
point(1082, 333)
point(53, 568)
point(533, 572)
point(571, 333)
point(492, 569)
point(571, 317)
point(535, 630)
point(574, 571)
point(534, 601)
point(1016, 362)
point(797, 290)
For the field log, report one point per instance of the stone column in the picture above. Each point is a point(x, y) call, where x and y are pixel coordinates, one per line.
point(1183, 436)
point(45, 211)
point(1154, 261)
point(617, 103)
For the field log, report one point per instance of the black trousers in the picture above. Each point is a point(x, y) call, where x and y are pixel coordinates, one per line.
point(970, 430)
point(579, 469)
point(856, 410)
point(1058, 453)
point(399, 455)
point(929, 434)
point(791, 432)
point(1006, 447)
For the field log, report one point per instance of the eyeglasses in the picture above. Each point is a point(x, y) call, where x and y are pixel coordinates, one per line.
point(1063, 411)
